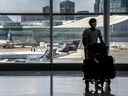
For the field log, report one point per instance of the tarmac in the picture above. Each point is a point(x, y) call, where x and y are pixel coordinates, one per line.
point(120, 55)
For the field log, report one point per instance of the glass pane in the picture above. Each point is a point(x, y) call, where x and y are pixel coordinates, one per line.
point(67, 38)
point(119, 38)
point(118, 6)
point(24, 39)
point(21, 6)
point(76, 6)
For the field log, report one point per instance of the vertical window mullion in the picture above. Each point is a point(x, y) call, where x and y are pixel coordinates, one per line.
point(51, 31)
point(51, 47)
point(106, 21)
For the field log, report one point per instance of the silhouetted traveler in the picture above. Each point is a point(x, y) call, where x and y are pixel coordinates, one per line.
point(98, 67)
point(90, 36)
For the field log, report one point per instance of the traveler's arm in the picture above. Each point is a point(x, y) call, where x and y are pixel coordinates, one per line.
point(84, 38)
point(100, 38)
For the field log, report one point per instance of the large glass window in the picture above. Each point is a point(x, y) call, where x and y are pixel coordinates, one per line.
point(119, 38)
point(68, 27)
point(119, 30)
point(67, 38)
point(24, 39)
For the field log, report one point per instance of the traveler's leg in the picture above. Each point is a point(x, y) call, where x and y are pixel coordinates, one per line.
point(87, 86)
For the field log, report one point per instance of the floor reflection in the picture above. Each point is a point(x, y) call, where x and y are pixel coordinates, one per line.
point(63, 85)
point(107, 92)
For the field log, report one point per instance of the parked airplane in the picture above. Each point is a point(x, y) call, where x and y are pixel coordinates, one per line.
point(3, 42)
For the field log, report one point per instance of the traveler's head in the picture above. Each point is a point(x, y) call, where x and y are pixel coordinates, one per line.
point(92, 22)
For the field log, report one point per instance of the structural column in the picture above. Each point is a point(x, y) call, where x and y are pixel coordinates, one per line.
point(51, 47)
point(106, 21)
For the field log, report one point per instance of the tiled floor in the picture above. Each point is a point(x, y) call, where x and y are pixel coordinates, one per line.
point(63, 85)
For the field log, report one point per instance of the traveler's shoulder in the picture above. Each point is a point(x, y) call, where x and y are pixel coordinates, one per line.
point(98, 30)
point(86, 30)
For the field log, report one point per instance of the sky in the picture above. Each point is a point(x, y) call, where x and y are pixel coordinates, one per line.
point(36, 6)
point(22, 5)
point(80, 5)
